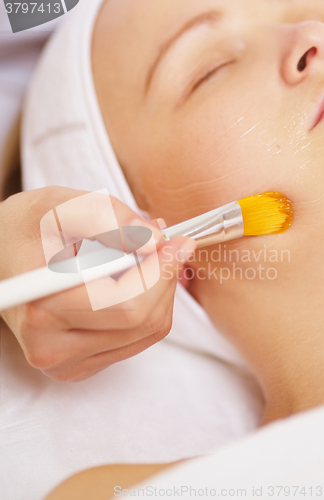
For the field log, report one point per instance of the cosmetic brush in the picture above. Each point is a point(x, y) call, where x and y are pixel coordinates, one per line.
point(261, 214)
point(265, 213)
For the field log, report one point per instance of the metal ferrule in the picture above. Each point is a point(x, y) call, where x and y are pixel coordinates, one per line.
point(221, 224)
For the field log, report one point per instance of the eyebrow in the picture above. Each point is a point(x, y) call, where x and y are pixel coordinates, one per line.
point(204, 18)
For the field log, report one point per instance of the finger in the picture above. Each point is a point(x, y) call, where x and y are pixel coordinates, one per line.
point(171, 256)
point(184, 277)
point(94, 364)
point(87, 216)
point(60, 352)
point(154, 222)
point(161, 223)
point(84, 343)
point(131, 237)
point(74, 307)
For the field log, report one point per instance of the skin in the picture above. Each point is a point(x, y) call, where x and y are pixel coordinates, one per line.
point(99, 483)
point(61, 335)
point(245, 130)
point(188, 143)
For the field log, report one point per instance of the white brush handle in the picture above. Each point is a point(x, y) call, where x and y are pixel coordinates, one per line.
point(43, 282)
point(219, 225)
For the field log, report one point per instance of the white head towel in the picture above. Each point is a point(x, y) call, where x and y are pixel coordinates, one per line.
point(185, 396)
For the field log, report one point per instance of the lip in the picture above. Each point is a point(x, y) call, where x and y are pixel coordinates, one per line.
point(319, 114)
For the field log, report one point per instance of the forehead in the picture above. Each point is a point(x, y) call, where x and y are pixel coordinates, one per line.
point(135, 28)
point(165, 13)
point(131, 31)
point(148, 21)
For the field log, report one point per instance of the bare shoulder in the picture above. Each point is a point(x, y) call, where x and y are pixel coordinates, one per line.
point(99, 483)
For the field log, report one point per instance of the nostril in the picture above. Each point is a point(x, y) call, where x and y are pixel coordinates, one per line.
point(302, 63)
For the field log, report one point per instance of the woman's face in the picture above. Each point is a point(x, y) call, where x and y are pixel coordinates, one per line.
point(208, 101)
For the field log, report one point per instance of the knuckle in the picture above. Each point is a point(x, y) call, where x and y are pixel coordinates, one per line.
point(14, 198)
point(154, 323)
point(38, 357)
point(39, 354)
point(47, 192)
point(34, 317)
point(39, 198)
point(165, 328)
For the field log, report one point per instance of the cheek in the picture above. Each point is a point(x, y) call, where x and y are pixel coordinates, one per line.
point(241, 156)
point(209, 158)
point(200, 163)
point(207, 162)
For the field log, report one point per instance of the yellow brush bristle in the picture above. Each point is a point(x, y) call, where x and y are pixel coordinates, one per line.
point(266, 213)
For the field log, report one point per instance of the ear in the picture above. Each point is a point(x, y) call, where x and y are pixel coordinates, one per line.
point(28, 14)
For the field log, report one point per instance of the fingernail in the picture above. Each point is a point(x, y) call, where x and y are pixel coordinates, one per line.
point(157, 235)
point(161, 223)
point(188, 249)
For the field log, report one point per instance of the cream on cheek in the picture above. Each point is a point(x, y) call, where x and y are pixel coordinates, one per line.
point(296, 169)
point(298, 166)
point(219, 166)
point(268, 155)
point(246, 159)
point(211, 155)
point(206, 169)
point(215, 154)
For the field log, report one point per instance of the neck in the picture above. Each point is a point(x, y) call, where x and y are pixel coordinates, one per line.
point(274, 332)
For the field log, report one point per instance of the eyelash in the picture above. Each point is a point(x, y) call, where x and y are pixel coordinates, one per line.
point(205, 78)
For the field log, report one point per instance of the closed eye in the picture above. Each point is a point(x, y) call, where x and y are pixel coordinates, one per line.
point(207, 76)
point(203, 79)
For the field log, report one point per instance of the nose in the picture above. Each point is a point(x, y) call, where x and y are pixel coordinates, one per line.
point(305, 54)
